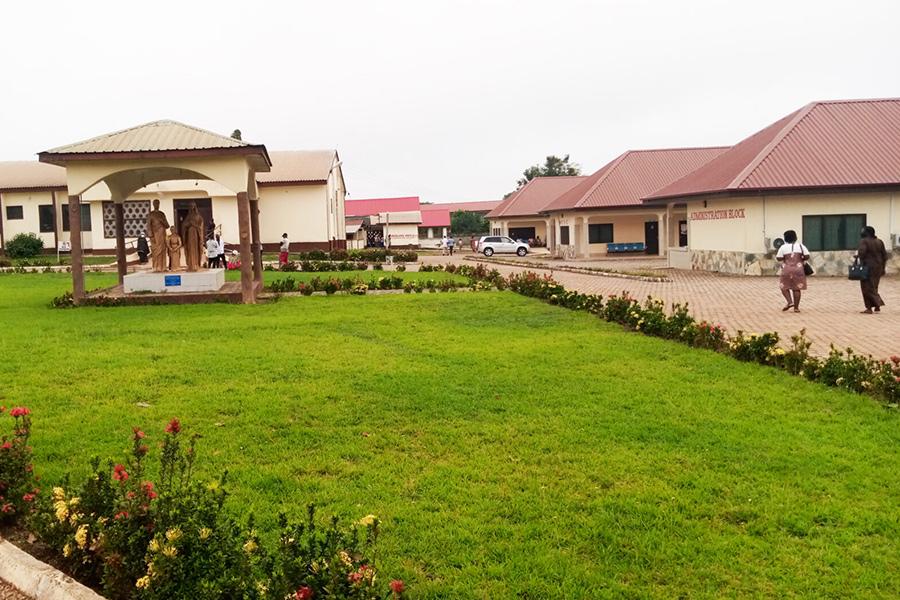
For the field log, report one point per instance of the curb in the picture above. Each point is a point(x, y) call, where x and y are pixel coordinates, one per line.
point(37, 579)
point(576, 270)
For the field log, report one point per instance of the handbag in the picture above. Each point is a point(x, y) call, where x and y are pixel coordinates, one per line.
point(858, 271)
point(807, 269)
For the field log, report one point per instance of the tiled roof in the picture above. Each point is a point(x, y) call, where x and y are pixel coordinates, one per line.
point(839, 143)
point(534, 196)
point(479, 206)
point(633, 175)
point(435, 217)
point(373, 206)
point(298, 166)
point(30, 175)
point(152, 137)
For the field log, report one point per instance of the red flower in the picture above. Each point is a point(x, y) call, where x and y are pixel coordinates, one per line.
point(19, 411)
point(174, 426)
point(7, 508)
point(6, 445)
point(304, 593)
point(121, 515)
point(397, 586)
point(895, 359)
point(147, 488)
point(130, 495)
point(142, 449)
point(28, 497)
point(354, 577)
point(138, 434)
point(119, 473)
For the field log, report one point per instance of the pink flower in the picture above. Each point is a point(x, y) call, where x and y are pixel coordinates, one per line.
point(28, 497)
point(7, 508)
point(354, 577)
point(119, 473)
point(6, 445)
point(121, 515)
point(397, 586)
point(304, 593)
point(174, 426)
point(138, 434)
point(19, 411)
point(147, 488)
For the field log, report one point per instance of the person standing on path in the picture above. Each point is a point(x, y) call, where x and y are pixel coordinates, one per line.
point(284, 250)
point(212, 253)
point(872, 253)
point(220, 246)
point(792, 280)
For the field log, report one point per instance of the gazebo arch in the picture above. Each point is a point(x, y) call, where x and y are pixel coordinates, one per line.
point(131, 159)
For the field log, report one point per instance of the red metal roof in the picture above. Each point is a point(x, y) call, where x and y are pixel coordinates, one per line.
point(633, 175)
point(534, 196)
point(838, 143)
point(480, 206)
point(373, 206)
point(435, 217)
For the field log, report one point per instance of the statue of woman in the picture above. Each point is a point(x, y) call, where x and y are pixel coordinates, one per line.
point(192, 230)
point(157, 224)
point(173, 245)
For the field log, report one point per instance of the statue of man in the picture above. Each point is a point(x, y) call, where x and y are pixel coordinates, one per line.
point(173, 244)
point(192, 236)
point(157, 225)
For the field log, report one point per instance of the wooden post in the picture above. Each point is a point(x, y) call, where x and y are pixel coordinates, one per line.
point(120, 240)
point(248, 291)
point(256, 243)
point(75, 241)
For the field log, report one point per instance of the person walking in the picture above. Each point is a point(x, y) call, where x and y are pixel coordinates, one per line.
point(284, 250)
point(220, 248)
point(212, 253)
point(450, 244)
point(872, 254)
point(792, 281)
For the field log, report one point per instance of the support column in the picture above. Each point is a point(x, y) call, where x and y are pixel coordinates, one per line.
point(585, 239)
point(664, 228)
point(56, 228)
point(75, 240)
point(120, 240)
point(255, 242)
point(248, 293)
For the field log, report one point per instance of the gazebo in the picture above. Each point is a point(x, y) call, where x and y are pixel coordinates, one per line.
point(131, 159)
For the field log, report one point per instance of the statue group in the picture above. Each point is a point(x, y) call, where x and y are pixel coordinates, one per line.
point(166, 244)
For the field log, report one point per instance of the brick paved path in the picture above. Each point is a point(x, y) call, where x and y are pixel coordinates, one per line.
point(830, 307)
point(8, 592)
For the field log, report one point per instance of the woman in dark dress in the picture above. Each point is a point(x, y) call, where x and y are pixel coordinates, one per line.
point(872, 253)
point(793, 278)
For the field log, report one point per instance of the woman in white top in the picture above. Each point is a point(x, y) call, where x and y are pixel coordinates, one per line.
point(793, 278)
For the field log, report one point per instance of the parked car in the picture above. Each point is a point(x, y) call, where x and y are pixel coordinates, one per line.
point(500, 244)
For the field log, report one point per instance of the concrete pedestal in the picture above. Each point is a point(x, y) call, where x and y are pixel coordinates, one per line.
point(207, 280)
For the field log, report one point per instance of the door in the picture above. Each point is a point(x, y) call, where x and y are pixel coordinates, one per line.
point(506, 245)
point(682, 234)
point(204, 205)
point(651, 237)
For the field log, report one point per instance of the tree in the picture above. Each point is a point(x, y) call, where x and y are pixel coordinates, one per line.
point(467, 222)
point(553, 166)
point(236, 134)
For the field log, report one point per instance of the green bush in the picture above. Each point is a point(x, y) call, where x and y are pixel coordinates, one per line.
point(24, 245)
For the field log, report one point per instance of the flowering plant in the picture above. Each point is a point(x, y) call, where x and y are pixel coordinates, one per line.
point(18, 488)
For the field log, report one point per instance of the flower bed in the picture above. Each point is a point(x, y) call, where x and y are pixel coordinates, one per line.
point(131, 537)
point(637, 274)
point(356, 285)
point(358, 255)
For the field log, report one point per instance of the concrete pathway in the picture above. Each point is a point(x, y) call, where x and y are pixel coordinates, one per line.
point(829, 308)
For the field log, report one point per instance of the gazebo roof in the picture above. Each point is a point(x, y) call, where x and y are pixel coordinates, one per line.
point(168, 138)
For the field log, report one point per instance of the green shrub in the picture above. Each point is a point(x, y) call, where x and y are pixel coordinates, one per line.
point(17, 482)
point(24, 245)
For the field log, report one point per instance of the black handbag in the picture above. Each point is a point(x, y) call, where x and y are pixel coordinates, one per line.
point(807, 269)
point(858, 271)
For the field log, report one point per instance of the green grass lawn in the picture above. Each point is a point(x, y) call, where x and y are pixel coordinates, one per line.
point(365, 276)
point(513, 449)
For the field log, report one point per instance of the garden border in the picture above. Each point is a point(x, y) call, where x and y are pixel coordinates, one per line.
point(36, 579)
point(599, 272)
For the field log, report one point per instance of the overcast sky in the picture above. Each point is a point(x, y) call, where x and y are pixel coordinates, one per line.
point(447, 100)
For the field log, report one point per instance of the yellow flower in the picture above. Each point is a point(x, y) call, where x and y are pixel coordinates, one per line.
point(345, 558)
point(368, 520)
point(212, 486)
point(142, 583)
point(59, 493)
point(170, 551)
point(153, 546)
point(205, 532)
point(74, 518)
point(250, 547)
point(81, 536)
point(67, 550)
point(262, 588)
point(62, 510)
point(173, 534)
point(74, 501)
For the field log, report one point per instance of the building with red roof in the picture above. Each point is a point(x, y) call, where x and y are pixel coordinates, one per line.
point(521, 216)
point(825, 171)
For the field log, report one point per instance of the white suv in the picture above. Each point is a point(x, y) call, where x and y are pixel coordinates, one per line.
point(500, 244)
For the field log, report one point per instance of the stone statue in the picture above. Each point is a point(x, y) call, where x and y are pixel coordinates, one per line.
point(157, 224)
point(192, 230)
point(173, 244)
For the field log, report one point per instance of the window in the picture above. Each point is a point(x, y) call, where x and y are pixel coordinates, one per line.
point(832, 232)
point(492, 240)
point(14, 213)
point(85, 217)
point(564, 235)
point(46, 220)
point(135, 212)
point(601, 233)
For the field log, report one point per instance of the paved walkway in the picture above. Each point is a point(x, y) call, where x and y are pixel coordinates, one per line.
point(830, 307)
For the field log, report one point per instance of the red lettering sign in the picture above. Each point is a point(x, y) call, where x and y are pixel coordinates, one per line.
point(722, 213)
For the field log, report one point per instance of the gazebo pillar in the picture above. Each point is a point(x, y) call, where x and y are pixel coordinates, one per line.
point(75, 242)
point(248, 292)
point(256, 246)
point(121, 263)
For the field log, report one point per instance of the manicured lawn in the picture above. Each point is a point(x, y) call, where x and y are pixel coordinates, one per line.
point(511, 448)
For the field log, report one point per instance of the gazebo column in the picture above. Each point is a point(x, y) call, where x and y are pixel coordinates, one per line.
point(75, 242)
point(256, 245)
point(248, 295)
point(121, 263)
